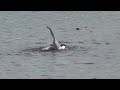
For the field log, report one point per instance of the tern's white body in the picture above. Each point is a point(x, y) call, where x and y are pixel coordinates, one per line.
point(62, 47)
point(52, 48)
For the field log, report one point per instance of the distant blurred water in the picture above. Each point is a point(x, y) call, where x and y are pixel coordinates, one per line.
point(94, 52)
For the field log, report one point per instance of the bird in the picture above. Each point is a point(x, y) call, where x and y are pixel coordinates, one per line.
point(55, 44)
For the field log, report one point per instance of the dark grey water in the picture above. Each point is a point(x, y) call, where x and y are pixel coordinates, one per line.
point(94, 38)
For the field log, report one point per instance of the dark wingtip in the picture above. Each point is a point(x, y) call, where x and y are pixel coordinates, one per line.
point(47, 27)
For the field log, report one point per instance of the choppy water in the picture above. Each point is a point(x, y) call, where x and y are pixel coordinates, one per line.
point(94, 38)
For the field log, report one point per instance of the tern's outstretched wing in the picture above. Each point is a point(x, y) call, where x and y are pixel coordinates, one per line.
point(55, 42)
point(51, 32)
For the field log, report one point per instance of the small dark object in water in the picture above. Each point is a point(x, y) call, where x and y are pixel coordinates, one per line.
point(77, 28)
point(85, 27)
point(30, 35)
point(30, 28)
point(88, 63)
point(90, 31)
point(12, 62)
point(107, 43)
point(80, 42)
point(8, 54)
point(84, 63)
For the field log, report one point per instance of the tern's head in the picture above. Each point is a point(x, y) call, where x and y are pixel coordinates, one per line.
point(63, 46)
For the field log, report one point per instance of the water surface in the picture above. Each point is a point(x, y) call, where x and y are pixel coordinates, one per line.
point(94, 38)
